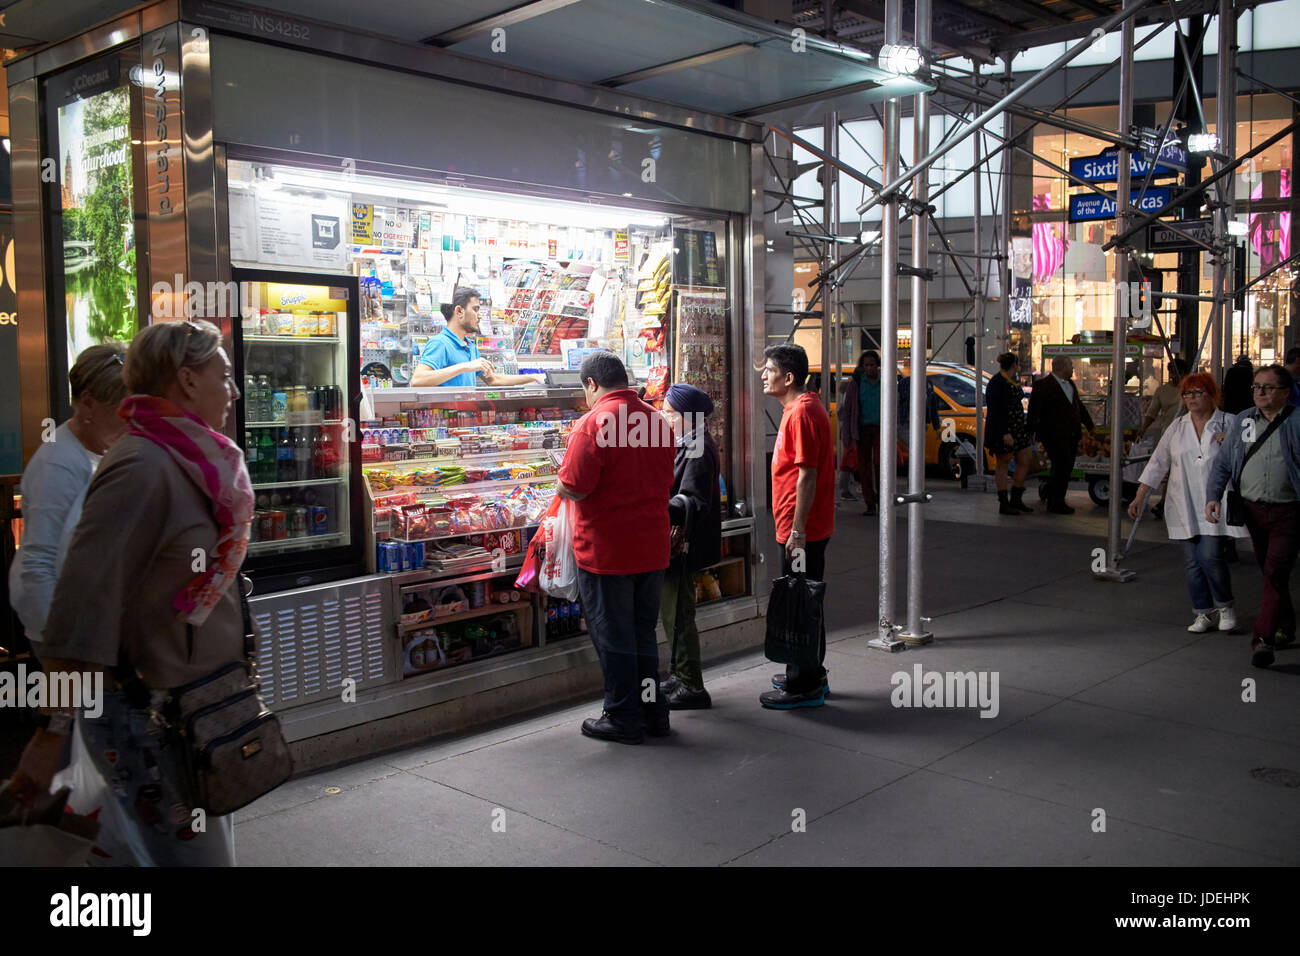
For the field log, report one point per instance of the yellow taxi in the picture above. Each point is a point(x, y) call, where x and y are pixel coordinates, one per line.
point(954, 387)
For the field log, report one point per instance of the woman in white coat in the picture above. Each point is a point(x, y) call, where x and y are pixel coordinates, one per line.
point(1186, 451)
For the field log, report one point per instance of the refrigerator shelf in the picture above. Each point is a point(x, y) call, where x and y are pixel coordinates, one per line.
point(295, 544)
point(327, 421)
point(293, 339)
point(310, 483)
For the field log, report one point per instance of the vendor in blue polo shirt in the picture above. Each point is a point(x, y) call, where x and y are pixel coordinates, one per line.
point(451, 357)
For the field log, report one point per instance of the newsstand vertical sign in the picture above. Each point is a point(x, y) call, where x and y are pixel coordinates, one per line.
point(164, 173)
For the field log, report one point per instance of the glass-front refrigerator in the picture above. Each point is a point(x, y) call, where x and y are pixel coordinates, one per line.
point(298, 360)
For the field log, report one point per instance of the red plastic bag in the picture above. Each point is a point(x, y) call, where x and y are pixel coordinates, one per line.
point(536, 555)
point(850, 460)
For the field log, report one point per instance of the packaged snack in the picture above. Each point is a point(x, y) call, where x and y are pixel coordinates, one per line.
point(412, 522)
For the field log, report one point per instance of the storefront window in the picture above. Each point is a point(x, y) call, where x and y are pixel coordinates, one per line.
point(1073, 280)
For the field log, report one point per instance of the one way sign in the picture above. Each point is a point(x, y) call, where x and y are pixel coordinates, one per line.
point(1160, 238)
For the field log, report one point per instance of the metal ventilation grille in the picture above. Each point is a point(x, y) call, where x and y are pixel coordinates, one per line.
point(309, 642)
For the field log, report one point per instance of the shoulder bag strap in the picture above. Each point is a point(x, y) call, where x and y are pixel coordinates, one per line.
point(1254, 446)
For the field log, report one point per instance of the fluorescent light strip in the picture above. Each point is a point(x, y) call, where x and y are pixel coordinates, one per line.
point(470, 202)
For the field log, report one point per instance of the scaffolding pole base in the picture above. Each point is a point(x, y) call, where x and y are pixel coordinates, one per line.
point(886, 642)
point(1116, 575)
point(916, 640)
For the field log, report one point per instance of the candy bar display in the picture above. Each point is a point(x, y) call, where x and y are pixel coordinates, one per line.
point(700, 352)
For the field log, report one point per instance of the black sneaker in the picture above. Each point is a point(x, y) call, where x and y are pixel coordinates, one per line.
point(778, 681)
point(605, 728)
point(780, 700)
point(1261, 654)
point(682, 697)
point(668, 685)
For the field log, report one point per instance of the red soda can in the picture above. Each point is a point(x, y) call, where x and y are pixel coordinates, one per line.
point(281, 526)
point(265, 526)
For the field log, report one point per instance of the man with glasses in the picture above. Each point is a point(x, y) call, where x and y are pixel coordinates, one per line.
point(1260, 461)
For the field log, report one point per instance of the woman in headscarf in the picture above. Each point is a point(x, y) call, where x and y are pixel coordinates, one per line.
point(150, 589)
point(55, 481)
point(695, 512)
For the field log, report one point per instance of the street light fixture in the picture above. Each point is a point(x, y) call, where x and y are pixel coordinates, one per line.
point(1203, 143)
point(901, 60)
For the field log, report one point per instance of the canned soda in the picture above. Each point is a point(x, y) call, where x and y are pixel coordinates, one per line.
point(280, 529)
point(298, 522)
point(265, 526)
point(417, 555)
point(381, 556)
point(319, 519)
point(394, 555)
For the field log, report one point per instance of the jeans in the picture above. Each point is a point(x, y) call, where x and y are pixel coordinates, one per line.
point(1275, 533)
point(144, 813)
point(621, 612)
point(800, 680)
point(1208, 581)
point(677, 610)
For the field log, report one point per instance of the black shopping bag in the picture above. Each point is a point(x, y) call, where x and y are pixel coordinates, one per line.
point(794, 621)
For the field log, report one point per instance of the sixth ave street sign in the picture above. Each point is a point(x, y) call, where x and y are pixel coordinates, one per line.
point(1160, 238)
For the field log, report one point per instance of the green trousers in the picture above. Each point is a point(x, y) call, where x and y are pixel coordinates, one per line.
point(677, 611)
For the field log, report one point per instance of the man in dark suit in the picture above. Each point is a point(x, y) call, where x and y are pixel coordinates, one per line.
point(1057, 418)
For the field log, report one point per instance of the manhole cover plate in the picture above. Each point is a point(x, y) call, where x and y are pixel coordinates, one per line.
point(1278, 775)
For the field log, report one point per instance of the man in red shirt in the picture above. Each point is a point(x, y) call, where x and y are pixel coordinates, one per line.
point(618, 468)
point(803, 503)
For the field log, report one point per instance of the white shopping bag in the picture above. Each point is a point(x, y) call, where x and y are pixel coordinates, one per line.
point(559, 573)
point(118, 843)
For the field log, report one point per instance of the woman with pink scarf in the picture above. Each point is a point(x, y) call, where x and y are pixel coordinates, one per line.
point(150, 588)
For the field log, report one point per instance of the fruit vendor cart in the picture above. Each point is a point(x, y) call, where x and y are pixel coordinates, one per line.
point(1144, 367)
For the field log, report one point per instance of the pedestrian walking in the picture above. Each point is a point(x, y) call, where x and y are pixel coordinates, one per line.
point(130, 602)
point(1184, 456)
point(1236, 386)
point(55, 480)
point(1006, 434)
point(695, 513)
point(859, 421)
point(618, 468)
point(1259, 464)
point(803, 503)
point(1057, 418)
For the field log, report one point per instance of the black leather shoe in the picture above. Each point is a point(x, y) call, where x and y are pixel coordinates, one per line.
point(668, 685)
point(656, 725)
point(682, 697)
point(778, 682)
point(604, 728)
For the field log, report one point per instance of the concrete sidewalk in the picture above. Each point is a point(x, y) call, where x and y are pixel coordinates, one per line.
point(1107, 704)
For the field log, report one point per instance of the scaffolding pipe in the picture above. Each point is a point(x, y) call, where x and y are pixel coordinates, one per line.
point(830, 226)
point(893, 183)
point(978, 464)
point(917, 419)
point(1225, 124)
point(889, 348)
point(1007, 282)
point(1120, 336)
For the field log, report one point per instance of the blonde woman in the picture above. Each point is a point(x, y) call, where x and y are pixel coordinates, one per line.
point(55, 481)
point(132, 601)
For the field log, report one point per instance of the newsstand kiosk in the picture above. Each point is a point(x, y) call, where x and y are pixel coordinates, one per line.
point(321, 195)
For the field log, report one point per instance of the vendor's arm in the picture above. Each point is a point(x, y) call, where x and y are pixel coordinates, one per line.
point(501, 378)
point(426, 376)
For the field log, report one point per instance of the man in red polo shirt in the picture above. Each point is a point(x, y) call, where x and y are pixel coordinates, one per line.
point(618, 468)
point(803, 503)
